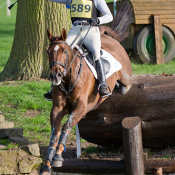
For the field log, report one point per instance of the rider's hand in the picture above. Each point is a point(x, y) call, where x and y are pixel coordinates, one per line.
point(94, 21)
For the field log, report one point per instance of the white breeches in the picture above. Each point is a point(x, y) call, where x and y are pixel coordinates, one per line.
point(92, 41)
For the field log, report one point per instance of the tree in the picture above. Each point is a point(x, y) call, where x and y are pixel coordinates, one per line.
point(28, 58)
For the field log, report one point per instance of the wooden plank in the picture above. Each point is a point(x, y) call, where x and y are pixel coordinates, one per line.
point(158, 39)
point(165, 1)
point(151, 4)
point(161, 12)
point(132, 146)
point(155, 7)
point(151, 16)
point(170, 25)
point(149, 21)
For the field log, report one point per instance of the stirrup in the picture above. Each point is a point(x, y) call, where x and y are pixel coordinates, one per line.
point(110, 92)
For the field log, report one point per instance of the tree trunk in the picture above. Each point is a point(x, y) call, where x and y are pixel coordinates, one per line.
point(28, 58)
point(152, 98)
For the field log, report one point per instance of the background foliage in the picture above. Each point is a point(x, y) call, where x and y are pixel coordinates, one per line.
point(23, 102)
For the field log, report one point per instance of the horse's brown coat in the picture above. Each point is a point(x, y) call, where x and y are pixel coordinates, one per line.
point(85, 94)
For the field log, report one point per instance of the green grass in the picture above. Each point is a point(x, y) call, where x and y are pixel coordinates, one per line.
point(8, 144)
point(139, 68)
point(7, 30)
point(4, 141)
point(24, 104)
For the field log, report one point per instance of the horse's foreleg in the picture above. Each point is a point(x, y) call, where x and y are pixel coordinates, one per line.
point(55, 117)
point(74, 118)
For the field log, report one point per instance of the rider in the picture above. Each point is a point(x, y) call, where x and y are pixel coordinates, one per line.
point(82, 15)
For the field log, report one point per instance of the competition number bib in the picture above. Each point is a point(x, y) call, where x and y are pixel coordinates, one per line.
point(81, 8)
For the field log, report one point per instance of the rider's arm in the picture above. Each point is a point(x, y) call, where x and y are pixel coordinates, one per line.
point(67, 2)
point(103, 8)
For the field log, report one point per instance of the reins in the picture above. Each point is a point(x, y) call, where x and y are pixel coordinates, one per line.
point(64, 73)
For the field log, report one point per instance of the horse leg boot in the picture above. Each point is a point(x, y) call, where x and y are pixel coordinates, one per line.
point(57, 161)
point(46, 170)
point(102, 88)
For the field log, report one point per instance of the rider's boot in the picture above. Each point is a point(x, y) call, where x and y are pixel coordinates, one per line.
point(48, 95)
point(102, 88)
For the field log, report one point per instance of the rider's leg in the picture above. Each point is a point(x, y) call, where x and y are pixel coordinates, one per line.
point(93, 43)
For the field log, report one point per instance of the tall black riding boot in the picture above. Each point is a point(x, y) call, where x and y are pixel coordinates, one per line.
point(48, 95)
point(102, 88)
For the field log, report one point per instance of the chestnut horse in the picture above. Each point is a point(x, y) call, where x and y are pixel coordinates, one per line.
point(75, 90)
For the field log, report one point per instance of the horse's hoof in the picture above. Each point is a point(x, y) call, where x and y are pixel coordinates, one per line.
point(57, 161)
point(45, 170)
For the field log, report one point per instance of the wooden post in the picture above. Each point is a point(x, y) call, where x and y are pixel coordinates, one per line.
point(158, 171)
point(158, 39)
point(132, 145)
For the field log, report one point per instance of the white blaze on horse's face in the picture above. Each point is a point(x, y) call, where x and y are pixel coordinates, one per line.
point(56, 77)
point(56, 48)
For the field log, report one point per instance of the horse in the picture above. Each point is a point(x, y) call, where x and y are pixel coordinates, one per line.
point(75, 90)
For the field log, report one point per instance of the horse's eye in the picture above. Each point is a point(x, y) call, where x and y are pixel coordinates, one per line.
point(65, 51)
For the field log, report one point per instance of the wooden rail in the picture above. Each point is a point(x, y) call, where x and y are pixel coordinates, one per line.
point(144, 9)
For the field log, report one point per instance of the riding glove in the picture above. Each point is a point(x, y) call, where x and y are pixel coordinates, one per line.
point(94, 21)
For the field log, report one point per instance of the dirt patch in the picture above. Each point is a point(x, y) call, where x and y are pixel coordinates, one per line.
point(31, 113)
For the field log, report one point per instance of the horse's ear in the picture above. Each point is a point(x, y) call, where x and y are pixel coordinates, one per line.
point(64, 34)
point(50, 36)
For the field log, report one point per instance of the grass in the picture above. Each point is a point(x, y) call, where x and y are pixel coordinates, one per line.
point(7, 30)
point(8, 145)
point(139, 68)
point(23, 102)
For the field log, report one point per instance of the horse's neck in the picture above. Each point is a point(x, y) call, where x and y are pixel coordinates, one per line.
point(74, 69)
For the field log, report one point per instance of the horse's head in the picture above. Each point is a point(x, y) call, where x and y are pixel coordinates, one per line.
point(59, 53)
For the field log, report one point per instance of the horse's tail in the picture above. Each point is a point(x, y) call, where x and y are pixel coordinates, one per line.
point(121, 21)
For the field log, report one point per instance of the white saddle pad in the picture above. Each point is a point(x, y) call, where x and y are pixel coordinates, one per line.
point(114, 64)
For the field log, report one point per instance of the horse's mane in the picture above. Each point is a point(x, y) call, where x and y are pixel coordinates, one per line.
point(121, 22)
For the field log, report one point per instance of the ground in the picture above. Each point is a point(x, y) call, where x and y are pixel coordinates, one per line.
point(93, 151)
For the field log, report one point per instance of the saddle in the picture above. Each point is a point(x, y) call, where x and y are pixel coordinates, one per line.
point(90, 57)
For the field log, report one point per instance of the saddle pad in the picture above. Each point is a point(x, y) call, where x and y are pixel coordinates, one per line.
point(114, 64)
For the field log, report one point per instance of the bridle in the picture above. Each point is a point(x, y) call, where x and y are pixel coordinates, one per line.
point(59, 64)
point(65, 71)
